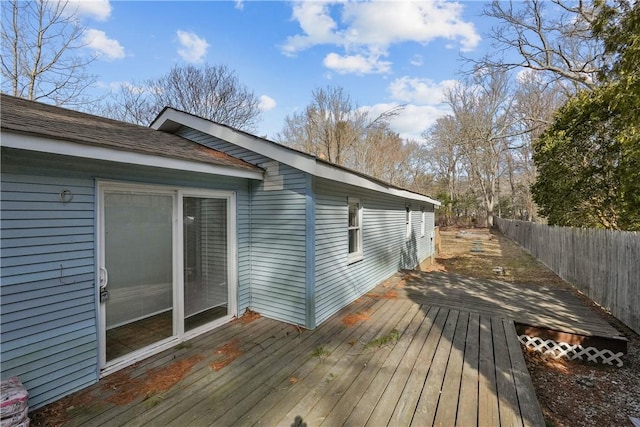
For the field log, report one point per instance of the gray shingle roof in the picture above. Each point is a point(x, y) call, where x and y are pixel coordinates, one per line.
point(37, 119)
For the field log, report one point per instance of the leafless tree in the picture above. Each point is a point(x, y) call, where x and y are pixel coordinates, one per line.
point(535, 102)
point(483, 112)
point(442, 142)
point(385, 155)
point(553, 37)
point(332, 127)
point(210, 91)
point(40, 52)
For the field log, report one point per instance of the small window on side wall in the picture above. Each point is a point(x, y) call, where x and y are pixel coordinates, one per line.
point(407, 220)
point(423, 222)
point(355, 230)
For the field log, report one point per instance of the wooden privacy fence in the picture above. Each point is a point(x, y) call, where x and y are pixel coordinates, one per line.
point(603, 264)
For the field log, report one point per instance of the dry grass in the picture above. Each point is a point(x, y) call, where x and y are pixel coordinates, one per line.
point(497, 251)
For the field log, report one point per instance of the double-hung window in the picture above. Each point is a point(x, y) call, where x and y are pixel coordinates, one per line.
point(355, 230)
point(423, 223)
point(407, 220)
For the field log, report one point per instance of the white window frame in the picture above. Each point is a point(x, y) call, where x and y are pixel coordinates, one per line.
point(179, 334)
point(407, 220)
point(358, 254)
point(423, 222)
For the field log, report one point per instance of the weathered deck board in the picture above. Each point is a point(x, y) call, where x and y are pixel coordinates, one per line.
point(527, 400)
point(505, 385)
point(398, 378)
point(331, 369)
point(114, 415)
point(234, 393)
point(352, 395)
point(352, 367)
point(468, 399)
point(446, 367)
point(448, 405)
point(532, 305)
point(425, 411)
point(487, 392)
point(299, 394)
point(371, 397)
point(408, 399)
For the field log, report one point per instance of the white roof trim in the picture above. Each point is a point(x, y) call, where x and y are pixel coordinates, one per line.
point(170, 119)
point(53, 146)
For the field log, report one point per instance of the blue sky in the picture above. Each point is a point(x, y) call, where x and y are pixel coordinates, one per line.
point(382, 53)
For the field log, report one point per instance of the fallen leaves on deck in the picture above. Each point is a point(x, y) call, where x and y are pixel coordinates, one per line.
point(352, 319)
point(61, 411)
point(230, 351)
point(154, 381)
point(249, 316)
point(391, 294)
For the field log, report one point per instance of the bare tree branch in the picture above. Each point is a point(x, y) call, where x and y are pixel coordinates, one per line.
point(210, 91)
point(557, 42)
point(41, 58)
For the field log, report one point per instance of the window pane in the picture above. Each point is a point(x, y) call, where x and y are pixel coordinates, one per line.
point(205, 260)
point(353, 214)
point(138, 232)
point(353, 240)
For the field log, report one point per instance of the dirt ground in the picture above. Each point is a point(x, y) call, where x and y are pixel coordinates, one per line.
point(570, 393)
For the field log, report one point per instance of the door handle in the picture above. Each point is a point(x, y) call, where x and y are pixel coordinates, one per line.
point(104, 277)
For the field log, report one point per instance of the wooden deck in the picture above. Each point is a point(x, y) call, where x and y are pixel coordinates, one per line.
point(380, 361)
point(533, 305)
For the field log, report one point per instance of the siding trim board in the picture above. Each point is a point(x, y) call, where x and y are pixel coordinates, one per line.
point(310, 251)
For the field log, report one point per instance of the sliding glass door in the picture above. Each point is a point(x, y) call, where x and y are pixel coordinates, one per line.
point(166, 269)
point(138, 255)
point(206, 290)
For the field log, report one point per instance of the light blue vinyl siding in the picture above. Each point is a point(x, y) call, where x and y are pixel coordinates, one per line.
point(48, 325)
point(385, 246)
point(49, 335)
point(279, 223)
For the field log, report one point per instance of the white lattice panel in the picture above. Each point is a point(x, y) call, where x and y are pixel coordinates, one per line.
point(571, 352)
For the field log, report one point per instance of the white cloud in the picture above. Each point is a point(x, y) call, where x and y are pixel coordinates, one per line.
point(413, 120)
point(316, 23)
point(240, 4)
point(104, 47)
point(420, 91)
point(423, 101)
point(372, 26)
point(384, 23)
point(416, 60)
point(193, 48)
point(357, 64)
point(266, 103)
point(97, 9)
